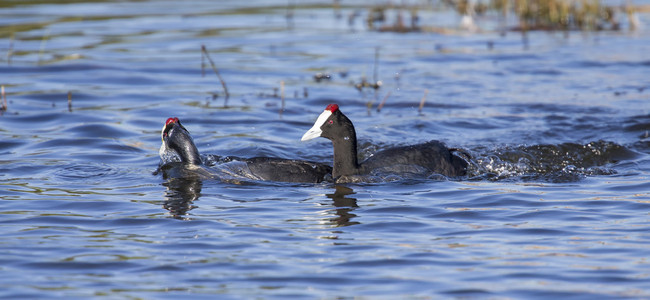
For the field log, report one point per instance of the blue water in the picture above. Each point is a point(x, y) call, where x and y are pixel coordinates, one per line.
point(556, 203)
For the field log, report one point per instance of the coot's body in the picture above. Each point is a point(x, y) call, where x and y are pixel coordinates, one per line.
point(286, 170)
point(433, 156)
point(335, 126)
point(177, 142)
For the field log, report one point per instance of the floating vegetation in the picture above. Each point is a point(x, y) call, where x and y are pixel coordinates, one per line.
point(318, 77)
point(364, 83)
point(377, 18)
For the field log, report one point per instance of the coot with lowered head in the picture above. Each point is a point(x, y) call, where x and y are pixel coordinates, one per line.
point(176, 141)
point(335, 126)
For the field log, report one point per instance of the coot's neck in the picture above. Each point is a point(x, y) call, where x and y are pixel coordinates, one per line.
point(345, 150)
point(183, 145)
point(190, 155)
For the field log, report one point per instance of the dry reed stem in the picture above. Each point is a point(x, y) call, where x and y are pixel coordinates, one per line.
point(383, 101)
point(4, 100)
point(376, 66)
point(424, 98)
point(282, 96)
point(43, 43)
point(10, 51)
point(214, 68)
point(70, 101)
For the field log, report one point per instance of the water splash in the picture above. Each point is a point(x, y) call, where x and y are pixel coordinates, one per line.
point(566, 162)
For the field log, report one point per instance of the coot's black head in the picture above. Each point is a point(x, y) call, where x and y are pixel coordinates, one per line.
point(176, 140)
point(333, 125)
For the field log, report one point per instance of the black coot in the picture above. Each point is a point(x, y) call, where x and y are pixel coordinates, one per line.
point(335, 126)
point(176, 141)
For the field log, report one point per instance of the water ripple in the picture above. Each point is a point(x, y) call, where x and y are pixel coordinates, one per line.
point(556, 204)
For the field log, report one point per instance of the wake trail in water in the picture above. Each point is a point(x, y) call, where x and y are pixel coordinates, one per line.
point(566, 162)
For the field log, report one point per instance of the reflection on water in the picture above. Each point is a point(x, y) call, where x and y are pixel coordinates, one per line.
point(181, 194)
point(345, 205)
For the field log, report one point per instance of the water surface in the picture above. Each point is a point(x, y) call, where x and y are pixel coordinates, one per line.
point(556, 203)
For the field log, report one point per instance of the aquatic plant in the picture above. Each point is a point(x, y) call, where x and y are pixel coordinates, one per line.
point(549, 15)
point(561, 14)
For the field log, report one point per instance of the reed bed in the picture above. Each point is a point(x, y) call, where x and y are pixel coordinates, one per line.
point(514, 15)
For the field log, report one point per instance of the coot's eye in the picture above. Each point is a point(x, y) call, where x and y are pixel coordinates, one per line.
point(331, 122)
